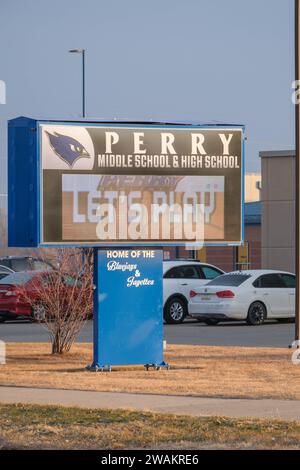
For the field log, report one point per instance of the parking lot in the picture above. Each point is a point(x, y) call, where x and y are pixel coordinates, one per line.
point(271, 334)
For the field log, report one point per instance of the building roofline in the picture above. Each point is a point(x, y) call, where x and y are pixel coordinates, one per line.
point(277, 153)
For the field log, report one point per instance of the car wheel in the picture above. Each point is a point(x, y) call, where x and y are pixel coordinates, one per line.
point(212, 321)
point(39, 313)
point(175, 311)
point(257, 314)
point(2, 320)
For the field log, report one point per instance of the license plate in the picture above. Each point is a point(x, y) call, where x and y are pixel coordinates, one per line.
point(205, 298)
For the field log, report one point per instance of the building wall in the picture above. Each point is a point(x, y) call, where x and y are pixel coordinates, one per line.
point(225, 257)
point(253, 236)
point(278, 210)
point(252, 191)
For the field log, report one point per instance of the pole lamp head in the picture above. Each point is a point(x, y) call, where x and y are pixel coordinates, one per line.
point(77, 51)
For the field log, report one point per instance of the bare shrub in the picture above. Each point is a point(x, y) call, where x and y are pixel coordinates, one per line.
point(62, 298)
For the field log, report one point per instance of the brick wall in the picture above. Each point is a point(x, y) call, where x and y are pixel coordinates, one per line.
point(225, 257)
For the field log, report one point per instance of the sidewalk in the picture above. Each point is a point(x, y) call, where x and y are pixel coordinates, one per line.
point(194, 406)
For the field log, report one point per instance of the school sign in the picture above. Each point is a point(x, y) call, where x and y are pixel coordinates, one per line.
point(126, 189)
point(107, 184)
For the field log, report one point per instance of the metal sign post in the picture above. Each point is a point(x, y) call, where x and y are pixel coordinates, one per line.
point(297, 185)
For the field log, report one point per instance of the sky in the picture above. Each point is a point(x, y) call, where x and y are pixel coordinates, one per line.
point(228, 61)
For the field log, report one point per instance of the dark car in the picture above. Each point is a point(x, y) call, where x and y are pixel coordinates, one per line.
point(25, 263)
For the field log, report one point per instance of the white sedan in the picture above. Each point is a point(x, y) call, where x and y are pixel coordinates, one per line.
point(253, 296)
point(180, 277)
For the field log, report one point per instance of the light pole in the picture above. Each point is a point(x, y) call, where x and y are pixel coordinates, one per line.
point(82, 52)
point(297, 78)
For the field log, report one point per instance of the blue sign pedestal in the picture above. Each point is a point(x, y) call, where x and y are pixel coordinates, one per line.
point(128, 308)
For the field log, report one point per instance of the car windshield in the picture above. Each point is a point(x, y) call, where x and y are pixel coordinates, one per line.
point(4, 269)
point(17, 278)
point(233, 280)
point(54, 277)
point(39, 265)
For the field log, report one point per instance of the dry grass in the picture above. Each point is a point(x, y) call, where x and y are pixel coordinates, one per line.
point(46, 427)
point(196, 370)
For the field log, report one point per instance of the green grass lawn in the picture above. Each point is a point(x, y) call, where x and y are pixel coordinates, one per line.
point(49, 427)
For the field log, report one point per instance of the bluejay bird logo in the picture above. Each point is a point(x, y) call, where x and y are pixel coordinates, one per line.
point(67, 148)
